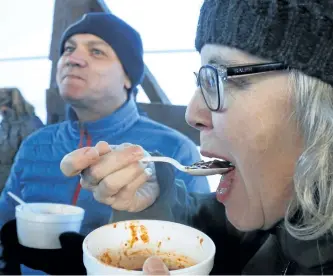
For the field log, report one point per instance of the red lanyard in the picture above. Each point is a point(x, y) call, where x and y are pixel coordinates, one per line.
point(78, 187)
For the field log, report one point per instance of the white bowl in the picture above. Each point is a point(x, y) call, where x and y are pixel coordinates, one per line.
point(166, 239)
point(42, 227)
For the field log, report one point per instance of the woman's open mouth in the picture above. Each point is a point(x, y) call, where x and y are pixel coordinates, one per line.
point(225, 185)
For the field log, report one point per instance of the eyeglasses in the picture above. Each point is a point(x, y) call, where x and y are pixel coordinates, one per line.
point(212, 78)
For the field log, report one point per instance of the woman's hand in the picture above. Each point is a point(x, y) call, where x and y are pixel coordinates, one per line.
point(115, 175)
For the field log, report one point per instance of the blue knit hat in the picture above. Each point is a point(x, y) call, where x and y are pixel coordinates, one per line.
point(124, 40)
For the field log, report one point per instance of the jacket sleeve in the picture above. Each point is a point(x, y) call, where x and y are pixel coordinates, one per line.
point(188, 154)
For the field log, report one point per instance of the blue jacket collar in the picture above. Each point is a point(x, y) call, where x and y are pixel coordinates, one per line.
point(116, 123)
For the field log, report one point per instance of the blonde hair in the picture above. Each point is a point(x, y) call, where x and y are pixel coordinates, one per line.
point(312, 204)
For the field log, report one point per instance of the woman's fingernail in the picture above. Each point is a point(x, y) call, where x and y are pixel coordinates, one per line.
point(122, 146)
point(126, 145)
point(92, 153)
point(138, 151)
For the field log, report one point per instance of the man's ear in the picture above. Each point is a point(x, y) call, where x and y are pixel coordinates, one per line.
point(128, 83)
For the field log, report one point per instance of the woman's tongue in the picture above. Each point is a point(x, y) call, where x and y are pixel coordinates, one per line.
point(225, 186)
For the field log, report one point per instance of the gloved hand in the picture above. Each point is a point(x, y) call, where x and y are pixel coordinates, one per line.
point(115, 175)
point(68, 260)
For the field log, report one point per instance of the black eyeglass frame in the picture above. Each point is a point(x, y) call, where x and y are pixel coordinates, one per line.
point(222, 73)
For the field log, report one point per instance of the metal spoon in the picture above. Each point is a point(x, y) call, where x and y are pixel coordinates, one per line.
point(198, 169)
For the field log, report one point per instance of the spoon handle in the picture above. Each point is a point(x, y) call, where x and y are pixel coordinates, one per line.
point(196, 171)
point(164, 159)
point(16, 198)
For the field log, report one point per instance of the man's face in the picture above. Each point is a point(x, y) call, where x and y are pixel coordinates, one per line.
point(90, 73)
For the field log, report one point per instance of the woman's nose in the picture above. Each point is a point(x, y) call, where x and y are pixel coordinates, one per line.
point(198, 114)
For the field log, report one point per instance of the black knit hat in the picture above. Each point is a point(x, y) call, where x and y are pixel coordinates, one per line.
point(124, 40)
point(298, 33)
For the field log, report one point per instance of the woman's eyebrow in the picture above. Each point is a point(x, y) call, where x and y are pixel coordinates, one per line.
point(222, 61)
point(229, 62)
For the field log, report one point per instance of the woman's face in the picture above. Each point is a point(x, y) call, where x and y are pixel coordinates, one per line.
point(257, 133)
